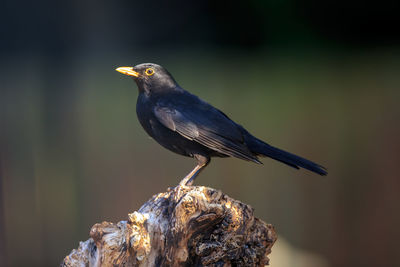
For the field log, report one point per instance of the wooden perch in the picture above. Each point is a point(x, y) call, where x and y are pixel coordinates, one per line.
point(186, 226)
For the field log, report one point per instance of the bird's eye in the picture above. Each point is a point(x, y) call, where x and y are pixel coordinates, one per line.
point(149, 71)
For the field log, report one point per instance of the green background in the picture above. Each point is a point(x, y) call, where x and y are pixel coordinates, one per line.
point(318, 79)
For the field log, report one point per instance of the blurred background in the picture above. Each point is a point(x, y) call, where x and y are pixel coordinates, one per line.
point(317, 78)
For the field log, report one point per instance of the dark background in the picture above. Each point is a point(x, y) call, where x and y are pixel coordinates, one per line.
point(318, 78)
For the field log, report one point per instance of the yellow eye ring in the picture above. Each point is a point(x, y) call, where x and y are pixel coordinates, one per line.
point(149, 71)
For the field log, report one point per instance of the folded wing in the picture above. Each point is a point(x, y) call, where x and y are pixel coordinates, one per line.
point(207, 126)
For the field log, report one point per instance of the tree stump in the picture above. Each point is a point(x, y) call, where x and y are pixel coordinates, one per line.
point(185, 226)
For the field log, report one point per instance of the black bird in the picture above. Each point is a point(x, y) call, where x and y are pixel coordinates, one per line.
point(187, 125)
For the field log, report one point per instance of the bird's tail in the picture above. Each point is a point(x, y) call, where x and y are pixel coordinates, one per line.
point(263, 149)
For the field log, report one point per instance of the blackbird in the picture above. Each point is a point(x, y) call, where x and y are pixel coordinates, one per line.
point(189, 126)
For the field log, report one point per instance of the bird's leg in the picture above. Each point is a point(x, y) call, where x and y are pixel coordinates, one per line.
point(202, 162)
point(188, 180)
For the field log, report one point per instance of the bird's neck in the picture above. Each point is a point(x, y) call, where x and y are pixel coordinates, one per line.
point(158, 89)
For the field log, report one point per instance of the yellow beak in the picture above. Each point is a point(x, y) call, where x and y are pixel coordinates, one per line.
point(127, 71)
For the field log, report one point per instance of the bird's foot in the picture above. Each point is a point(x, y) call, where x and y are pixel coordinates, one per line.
point(181, 189)
point(187, 181)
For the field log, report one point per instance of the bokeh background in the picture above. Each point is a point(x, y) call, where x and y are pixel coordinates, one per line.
point(318, 78)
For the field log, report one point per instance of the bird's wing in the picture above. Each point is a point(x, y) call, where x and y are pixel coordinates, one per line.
point(207, 126)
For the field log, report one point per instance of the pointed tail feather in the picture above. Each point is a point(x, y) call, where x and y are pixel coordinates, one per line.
point(259, 147)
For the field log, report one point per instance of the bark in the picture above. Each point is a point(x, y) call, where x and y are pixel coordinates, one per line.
point(185, 226)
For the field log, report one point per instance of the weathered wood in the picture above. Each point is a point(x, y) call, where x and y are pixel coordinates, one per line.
point(185, 226)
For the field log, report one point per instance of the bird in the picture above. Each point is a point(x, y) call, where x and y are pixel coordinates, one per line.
point(187, 125)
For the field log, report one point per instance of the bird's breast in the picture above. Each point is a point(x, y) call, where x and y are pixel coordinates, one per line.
point(145, 114)
point(150, 123)
point(167, 138)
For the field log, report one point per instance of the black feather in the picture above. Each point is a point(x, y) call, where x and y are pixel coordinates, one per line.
point(263, 149)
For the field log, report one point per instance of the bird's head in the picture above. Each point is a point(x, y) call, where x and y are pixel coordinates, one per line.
point(150, 77)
